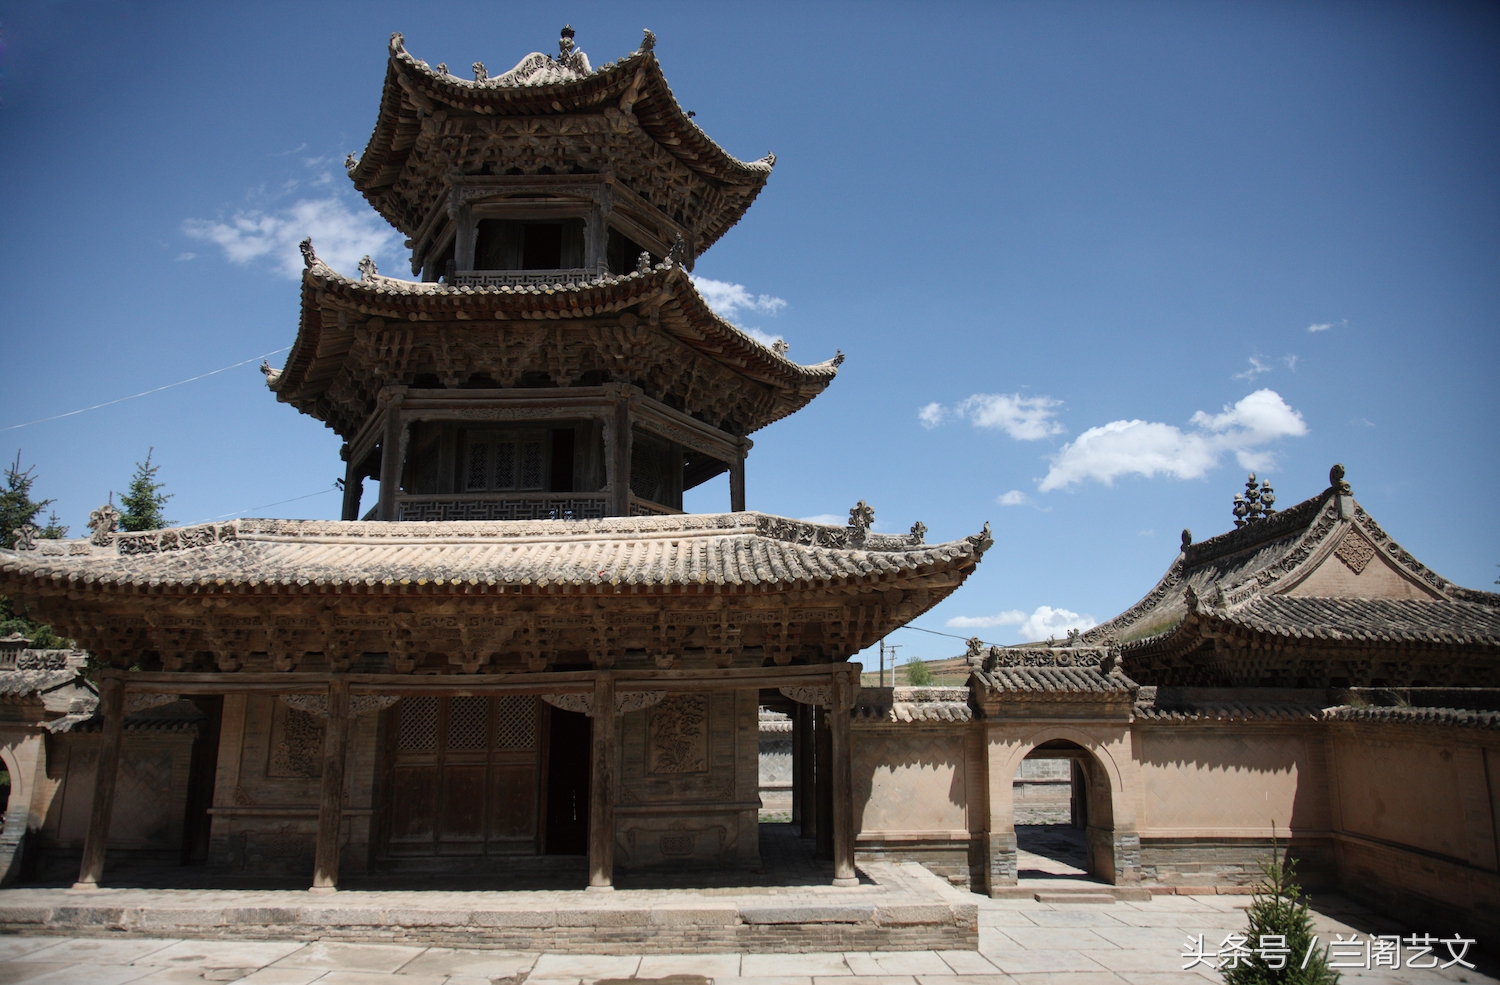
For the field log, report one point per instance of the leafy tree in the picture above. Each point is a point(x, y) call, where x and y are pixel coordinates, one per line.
point(1280, 910)
point(918, 674)
point(145, 500)
point(17, 508)
point(53, 530)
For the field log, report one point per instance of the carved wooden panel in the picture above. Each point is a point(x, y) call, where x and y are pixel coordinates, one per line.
point(677, 737)
point(296, 743)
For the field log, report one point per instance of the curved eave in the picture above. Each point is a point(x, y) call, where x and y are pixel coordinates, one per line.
point(684, 314)
point(654, 555)
point(412, 83)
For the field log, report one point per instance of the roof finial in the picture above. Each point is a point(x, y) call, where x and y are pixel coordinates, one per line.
point(350, 162)
point(1187, 538)
point(648, 42)
point(24, 537)
point(565, 44)
point(918, 533)
point(780, 347)
point(480, 72)
point(367, 269)
point(104, 522)
point(308, 256)
point(1336, 480)
point(643, 263)
point(398, 43)
point(1255, 503)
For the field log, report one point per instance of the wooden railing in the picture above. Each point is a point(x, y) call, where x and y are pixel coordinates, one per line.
point(503, 506)
point(523, 278)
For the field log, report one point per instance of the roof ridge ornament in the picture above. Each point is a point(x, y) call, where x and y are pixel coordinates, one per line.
point(861, 518)
point(1337, 482)
point(780, 347)
point(350, 162)
point(398, 43)
point(367, 269)
point(481, 74)
point(918, 533)
point(272, 375)
point(1253, 504)
point(648, 42)
point(104, 522)
point(309, 256)
point(25, 536)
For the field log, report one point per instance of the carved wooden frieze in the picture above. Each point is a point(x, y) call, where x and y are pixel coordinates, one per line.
point(296, 744)
point(811, 694)
point(359, 704)
point(582, 704)
point(136, 701)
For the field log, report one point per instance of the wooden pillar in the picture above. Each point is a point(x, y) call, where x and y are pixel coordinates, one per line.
point(331, 804)
point(799, 755)
point(390, 460)
point(602, 787)
point(808, 772)
point(823, 784)
point(737, 485)
point(106, 768)
point(354, 483)
point(843, 782)
point(619, 479)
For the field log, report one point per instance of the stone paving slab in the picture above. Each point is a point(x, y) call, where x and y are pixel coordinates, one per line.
point(899, 907)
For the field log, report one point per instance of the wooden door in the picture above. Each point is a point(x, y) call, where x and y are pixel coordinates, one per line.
point(464, 777)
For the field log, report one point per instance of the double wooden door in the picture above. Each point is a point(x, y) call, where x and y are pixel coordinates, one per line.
point(463, 776)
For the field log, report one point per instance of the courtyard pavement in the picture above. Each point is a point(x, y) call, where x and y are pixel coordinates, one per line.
point(1022, 942)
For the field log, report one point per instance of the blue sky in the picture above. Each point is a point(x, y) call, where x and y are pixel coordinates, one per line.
point(1089, 262)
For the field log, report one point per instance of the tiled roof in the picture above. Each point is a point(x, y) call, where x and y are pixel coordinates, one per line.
point(409, 81)
point(1054, 680)
point(913, 704)
point(748, 550)
point(1228, 712)
point(426, 310)
point(178, 716)
point(1384, 620)
point(1461, 717)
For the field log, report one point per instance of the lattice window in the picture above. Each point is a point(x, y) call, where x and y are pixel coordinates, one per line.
point(540, 508)
point(517, 717)
point(466, 722)
point(531, 465)
point(418, 724)
point(505, 465)
point(479, 467)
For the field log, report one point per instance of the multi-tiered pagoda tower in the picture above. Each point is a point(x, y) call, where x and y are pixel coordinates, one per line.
point(525, 648)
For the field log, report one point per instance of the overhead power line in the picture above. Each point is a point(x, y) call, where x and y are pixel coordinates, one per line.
point(256, 509)
point(143, 393)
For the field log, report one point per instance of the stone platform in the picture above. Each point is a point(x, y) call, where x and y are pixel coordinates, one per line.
point(897, 907)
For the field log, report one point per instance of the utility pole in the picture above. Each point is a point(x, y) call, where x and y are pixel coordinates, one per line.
point(882, 663)
point(893, 647)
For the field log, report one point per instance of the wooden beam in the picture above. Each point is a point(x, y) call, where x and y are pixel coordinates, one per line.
point(601, 787)
point(331, 804)
point(106, 768)
point(390, 459)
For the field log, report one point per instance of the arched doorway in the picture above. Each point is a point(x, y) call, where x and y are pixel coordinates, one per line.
point(1063, 814)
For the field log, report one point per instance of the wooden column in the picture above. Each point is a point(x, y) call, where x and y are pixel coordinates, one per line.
point(602, 787)
point(619, 479)
point(823, 785)
point(331, 804)
point(106, 768)
point(843, 782)
point(737, 485)
point(353, 488)
point(799, 754)
point(390, 460)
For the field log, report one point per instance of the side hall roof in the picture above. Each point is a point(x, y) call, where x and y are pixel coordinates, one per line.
point(632, 92)
point(737, 552)
point(438, 317)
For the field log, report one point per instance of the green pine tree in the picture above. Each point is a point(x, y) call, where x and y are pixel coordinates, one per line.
point(1280, 909)
point(918, 674)
point(54, 530)
point(145, 500)
point(17, 508)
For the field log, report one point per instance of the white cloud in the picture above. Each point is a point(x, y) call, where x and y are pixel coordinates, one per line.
point(762, 337)
point(728, 299)
point(1291, 361)
point(1257, 367)
point(1323, 327)
point(1010, 617)
point(1013, 498)
point(1146, 448)
point(1023, 418)
point(185, 256)
point(827, 519)
point(340, 235)
point(1049, 623)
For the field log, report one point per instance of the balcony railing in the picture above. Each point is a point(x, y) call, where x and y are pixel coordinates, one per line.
point(644, 507)
point(503, 506)
point(524, 278)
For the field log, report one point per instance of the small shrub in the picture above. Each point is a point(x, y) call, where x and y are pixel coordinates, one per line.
point(1279, 910)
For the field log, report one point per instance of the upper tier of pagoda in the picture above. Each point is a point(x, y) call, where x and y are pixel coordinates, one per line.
point(553, 119)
